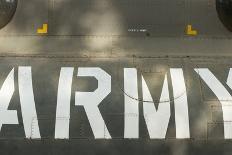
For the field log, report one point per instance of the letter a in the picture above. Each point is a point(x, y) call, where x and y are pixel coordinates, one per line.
point(6, 93)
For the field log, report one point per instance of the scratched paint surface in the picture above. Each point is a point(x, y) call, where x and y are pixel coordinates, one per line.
point(168, 93)
point(45, 74)
point(204, 108)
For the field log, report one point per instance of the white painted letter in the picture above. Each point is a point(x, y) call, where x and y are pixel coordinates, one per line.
point(229, 79)
point(91, 100)
point(223, 96)
point(156, 120)
point(181, 103)
point(26, 95)
point(63, 103)
point(131, 128)
point(6, 93)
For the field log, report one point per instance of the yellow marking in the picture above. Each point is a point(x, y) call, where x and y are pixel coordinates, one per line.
point(190, 31)
point(43, 30)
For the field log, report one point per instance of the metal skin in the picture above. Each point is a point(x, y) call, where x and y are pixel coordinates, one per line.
point(115, 77)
